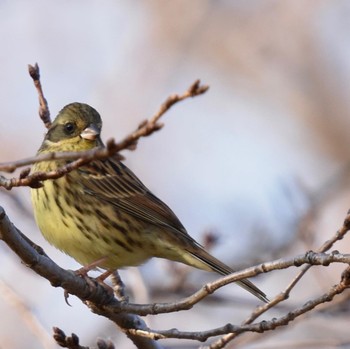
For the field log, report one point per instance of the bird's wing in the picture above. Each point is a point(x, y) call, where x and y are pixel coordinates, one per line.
point(112, 182)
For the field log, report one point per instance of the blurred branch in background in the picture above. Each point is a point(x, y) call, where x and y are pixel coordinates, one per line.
point(26, 315)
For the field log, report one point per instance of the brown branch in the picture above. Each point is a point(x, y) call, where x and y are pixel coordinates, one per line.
point(127, 323)
point(45, 267)
point(146, 128)
point(34, 180)
point(97, 297)
point(92, 154)
point(91, 293)
point(339, 235)
point(34, 257)
point(187, 303)
point(44, 112)
point(260, 327)
point(101, 302)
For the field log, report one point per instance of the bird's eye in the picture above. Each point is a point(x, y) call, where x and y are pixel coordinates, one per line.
point(69, 128)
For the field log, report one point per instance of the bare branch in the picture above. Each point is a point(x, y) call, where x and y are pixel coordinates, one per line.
point(145, 129)
point(285, 294)
point(32, 257)
point(45, 267)
point(34, 180)
point(310, 257)
point(44, 112)
point(92, 154)
point(95, 297)
point(260, 327)
point(101, 302)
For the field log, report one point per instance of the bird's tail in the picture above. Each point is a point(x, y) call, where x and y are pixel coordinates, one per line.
point(207, 262)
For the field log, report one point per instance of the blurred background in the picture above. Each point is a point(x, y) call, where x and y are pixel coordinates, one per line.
point(259, 164)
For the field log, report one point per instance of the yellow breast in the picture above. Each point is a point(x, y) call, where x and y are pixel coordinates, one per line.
point(85, 228)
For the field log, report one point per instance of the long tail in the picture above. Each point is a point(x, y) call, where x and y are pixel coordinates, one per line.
point(208, 262)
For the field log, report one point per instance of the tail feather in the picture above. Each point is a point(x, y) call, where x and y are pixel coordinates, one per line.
point(214, 264)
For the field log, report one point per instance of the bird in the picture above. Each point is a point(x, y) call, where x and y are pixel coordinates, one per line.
point(101, 214)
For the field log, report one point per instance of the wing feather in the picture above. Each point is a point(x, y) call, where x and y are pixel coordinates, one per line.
point(113, 182)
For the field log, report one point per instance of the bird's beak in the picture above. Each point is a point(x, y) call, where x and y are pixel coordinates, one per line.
point(90, 133)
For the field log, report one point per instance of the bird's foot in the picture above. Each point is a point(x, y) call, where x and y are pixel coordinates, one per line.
point(83, 273)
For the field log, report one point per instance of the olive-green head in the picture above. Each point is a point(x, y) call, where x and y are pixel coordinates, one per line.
point(76, 127)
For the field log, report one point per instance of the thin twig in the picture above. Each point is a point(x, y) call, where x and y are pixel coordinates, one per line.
point(34, 180)
point(44, 112)
point(96, 154)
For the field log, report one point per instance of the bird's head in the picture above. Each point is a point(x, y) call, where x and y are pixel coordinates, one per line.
point(76, 127)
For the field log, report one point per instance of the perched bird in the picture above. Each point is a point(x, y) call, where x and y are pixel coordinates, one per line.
point(101, 214)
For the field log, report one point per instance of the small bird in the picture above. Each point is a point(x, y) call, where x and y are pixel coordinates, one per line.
point(101, 214)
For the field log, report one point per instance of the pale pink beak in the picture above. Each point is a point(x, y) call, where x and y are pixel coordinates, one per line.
point(90, 133)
